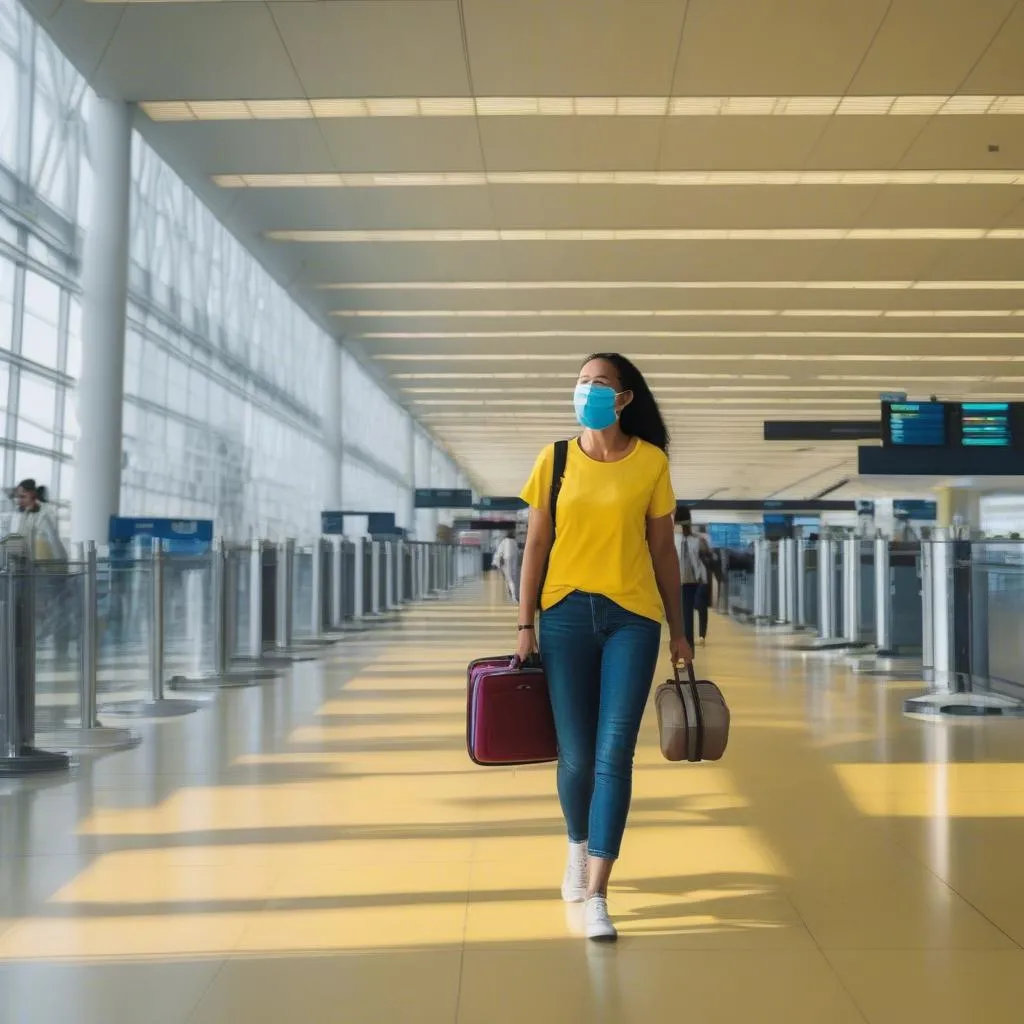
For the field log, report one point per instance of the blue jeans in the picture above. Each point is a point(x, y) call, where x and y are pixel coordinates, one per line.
point(600, 662)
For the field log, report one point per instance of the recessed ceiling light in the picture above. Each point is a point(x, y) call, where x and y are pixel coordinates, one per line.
point(407, 286)
point(513, 314)
point(843, 335)
point(457, 179)
point(590, 106)
point(704, 357)
point(435, 235)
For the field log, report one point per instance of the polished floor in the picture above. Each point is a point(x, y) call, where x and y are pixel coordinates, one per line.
point(321, 850)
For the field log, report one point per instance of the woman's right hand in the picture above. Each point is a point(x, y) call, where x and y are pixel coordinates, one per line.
point(526, 647)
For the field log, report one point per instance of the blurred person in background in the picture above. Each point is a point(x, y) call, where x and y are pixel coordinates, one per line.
point(36, 523)
point(506, 561)
point(694, 562)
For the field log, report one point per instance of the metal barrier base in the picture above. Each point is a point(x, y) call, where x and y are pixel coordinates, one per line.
point(230, 680)
point(825, 646)
point(963, 705)
point(33, 762)
point(888, 666)
point(98, 738)
point(168, 708)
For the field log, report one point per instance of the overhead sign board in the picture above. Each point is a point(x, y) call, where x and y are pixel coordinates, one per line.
point(436, 497)
point(180, 536)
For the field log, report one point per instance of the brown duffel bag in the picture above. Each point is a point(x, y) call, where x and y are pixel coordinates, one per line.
point(693, 719)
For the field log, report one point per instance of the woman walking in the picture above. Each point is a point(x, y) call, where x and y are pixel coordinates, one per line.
point(612, 575)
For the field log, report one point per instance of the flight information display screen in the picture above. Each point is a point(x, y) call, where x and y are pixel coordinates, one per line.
point(916, 424)
point(985, 425)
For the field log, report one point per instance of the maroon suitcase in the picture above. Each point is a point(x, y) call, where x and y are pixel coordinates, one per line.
point(508, 714)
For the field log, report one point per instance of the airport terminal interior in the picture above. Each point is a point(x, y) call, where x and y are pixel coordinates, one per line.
point(292, 294)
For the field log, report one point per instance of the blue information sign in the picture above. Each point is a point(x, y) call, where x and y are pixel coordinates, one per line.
point(922, 511)
point(985, 425)
point(918, 424)
point(181, 536)
point(733, 536)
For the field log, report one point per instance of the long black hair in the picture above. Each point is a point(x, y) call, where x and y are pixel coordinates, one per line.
point(642, 417)
point(39, 492)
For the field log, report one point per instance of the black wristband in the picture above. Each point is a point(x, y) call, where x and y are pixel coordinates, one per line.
point(524, 629)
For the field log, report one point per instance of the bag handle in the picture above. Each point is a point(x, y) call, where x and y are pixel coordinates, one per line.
point(691, 683)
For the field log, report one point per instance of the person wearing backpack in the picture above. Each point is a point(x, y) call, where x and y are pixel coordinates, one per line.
point(694, 562)
point(600, 565)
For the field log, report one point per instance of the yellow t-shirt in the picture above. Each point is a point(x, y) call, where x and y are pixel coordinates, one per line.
point(601, 525)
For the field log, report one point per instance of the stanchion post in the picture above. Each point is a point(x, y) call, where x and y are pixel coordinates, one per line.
point(375, 563)
point(256, 600)
point(851, 589)
point(359, 609)
point(337, 582)
point(158, 706)
point(285, 595)
point(883, 596)
point(317, 587)
point(826, 588)
point(801, 583)
point(389, 575)
point(18, 755)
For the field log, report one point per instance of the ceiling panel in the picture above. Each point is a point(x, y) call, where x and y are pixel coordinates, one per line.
point(774, 47)
point(656, 261)
point(1000, 69)
point(311, 209)
point(929, 46)
point(204, 51)
point(959, 206)
point(966, 141)
point(590, 143)
point(227, 147)
point(404, 144)
point(739, 143)
point(375, 47)
point(84, 30)
point(666, 207)
point(870, 143)
point(575, 47)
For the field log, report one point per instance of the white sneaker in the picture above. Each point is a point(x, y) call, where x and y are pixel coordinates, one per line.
point(574, 884)
point(599, 924)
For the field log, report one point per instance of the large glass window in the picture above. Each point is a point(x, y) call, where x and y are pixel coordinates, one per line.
point(6, 302)
point(228, 404)
point(40, 325)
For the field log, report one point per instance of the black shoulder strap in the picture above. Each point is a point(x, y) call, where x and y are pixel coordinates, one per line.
point(557, 476)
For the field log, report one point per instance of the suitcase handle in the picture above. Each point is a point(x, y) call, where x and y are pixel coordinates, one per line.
point(698, 711)
point(531, 662)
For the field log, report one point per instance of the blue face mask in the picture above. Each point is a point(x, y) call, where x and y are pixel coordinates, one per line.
point(595, 406)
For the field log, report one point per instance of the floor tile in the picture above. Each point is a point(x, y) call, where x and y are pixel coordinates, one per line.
point(122, 992)
point(937, 986)
point(357, 989)
point(584, 982)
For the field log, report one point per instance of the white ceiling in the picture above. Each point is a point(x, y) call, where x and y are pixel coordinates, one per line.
point(493, 393)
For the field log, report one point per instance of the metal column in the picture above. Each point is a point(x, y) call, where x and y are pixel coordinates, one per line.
point(375, 564)
point(883, 597)
point(851, 589)
point(359, 566)
point(826, 588)
point(801, 583)
point(284, 625)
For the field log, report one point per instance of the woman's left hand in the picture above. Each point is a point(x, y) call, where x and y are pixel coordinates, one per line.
point(681, 651)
